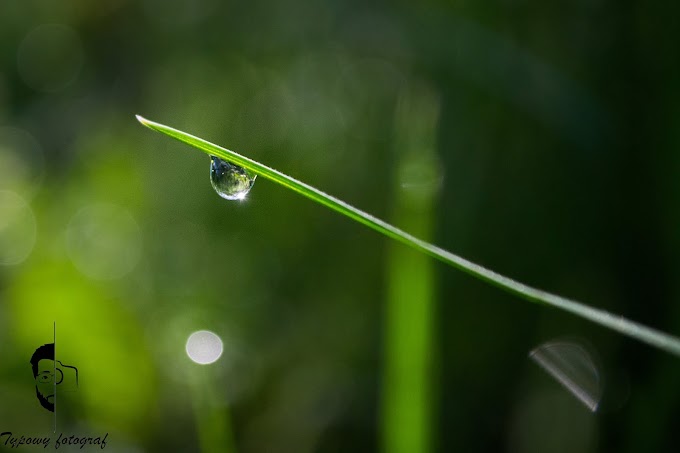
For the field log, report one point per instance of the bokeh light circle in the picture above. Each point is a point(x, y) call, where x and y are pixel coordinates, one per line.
point(50, 57)
point(104, 241)
point(17, 229)
point(204, 347)
point(22, 164)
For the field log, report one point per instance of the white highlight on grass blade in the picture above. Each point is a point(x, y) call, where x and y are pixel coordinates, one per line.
point(572, 366)
point(204, 347)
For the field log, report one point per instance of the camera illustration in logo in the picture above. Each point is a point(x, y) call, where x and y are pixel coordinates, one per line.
point(51, 376)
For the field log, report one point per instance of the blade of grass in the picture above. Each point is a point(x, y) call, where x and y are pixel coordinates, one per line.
point(615, 322)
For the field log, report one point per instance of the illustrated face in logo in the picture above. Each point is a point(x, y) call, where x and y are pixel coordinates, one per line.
point(51, 375)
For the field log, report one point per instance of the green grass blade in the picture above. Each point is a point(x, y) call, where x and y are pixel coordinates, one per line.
point(615, 322)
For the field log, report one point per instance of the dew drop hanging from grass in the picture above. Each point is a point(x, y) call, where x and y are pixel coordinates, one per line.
point(230, 181)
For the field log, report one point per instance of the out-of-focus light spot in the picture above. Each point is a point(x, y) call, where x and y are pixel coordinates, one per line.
point(204, 347)
point(419, 174)
point(104, 241)
point(318, 113)
point(265, 120)
point(420, 178)
point(21, 161)
point(50, 57)
point(17, 229)
point(376, 34)
point(183, 12)
point(550, 420)
point(4, 95)
point(572, 366)
point(372, 85)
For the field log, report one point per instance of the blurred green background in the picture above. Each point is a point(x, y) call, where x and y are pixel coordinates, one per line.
point(539, 139)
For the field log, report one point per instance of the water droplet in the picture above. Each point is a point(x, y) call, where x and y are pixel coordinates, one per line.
point(230, 181)
point(572, 366)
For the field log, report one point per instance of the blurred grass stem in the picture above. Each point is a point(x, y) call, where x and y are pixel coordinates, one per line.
point(213, 422)
point(409, 385)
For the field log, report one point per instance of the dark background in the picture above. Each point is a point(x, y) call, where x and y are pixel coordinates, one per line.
point(553, 144)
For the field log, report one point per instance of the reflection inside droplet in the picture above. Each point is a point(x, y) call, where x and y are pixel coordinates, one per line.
point(573, 367)
point(230, 181)
point(204, 347)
